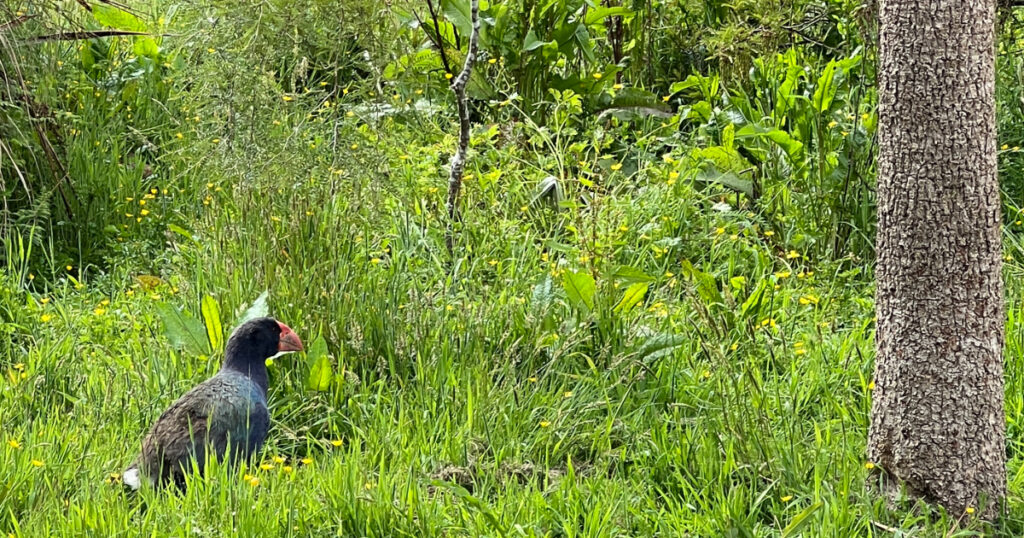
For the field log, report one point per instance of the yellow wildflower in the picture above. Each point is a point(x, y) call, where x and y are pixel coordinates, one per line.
point(13, 443)
point(787, 498)
point(544, 424)
point(307, 461)
point(37, 463)
point(869, 465)
point(616, 167)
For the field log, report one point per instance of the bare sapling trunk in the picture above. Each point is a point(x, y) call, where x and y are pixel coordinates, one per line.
point(458, 164)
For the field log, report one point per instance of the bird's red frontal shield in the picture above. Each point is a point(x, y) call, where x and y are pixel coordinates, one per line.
point(289, 340)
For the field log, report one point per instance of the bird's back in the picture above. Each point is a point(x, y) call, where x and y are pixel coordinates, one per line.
point(227, 410)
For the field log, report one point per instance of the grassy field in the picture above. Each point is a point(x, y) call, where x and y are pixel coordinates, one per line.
point(654, 356)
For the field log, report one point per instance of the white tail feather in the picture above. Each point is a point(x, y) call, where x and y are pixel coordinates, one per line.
point(132, 478)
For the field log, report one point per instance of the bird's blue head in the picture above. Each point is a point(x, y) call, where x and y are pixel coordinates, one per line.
point(254, 342)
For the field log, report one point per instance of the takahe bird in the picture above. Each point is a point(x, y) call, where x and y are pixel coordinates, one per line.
point(227, 410)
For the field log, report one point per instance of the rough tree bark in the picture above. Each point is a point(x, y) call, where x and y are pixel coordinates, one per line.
point(937, 419)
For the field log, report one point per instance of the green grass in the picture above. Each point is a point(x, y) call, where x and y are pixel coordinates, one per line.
point(471, 398)
point(474, 395)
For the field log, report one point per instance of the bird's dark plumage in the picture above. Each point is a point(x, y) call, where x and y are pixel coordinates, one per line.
point(225, 416)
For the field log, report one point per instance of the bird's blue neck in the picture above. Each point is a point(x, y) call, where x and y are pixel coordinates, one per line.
point(251, 367)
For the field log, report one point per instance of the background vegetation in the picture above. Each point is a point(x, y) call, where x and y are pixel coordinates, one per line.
point(657, 321)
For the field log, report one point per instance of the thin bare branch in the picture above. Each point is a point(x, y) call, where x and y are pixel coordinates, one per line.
point(17, 21)
point(78, 36)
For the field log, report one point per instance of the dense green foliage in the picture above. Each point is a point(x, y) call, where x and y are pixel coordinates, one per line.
point(657, 319)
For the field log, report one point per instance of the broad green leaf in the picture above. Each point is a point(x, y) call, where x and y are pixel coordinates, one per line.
point(752, 306)
point(707, 287)
point(584, 43)
point(721, 157)
point(182, 330)
point(113, 17)
point(790, 145)
point(627, 273)
point(87, 57)
point(728, 136)
point(458, 13)
point(825, 89)
point(320, 372)
point(598, 14)
point(801, 520)
point(258, 309)
point(707, 86)
point(533, 42)
point(711, 174)
point(181, 231)
point(210, 310)
point(658, 345)
point(634, 294)
point(542, 294)
point(699, 111)
point(146, 46)
point(787, 143)
point(580, 288)
point(785, 95)
point(632, 103)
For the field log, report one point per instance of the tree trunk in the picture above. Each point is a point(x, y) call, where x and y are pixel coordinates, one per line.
point(937, 419)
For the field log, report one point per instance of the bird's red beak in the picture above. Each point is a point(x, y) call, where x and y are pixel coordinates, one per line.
point(289, 340)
